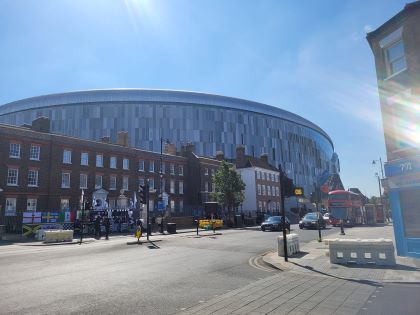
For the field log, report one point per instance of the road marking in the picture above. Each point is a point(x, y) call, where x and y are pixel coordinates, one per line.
point(258, 263)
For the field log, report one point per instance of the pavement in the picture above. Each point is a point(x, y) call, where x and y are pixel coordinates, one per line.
point(18, 239)
point(309, 284)
point(314, 259)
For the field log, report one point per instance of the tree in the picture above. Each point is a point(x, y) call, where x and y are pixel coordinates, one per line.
point(229, 187)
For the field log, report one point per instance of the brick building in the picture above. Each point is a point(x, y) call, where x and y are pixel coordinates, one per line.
point(262, 191)
point(396, 48)
point(41, 171)
point(200, 171)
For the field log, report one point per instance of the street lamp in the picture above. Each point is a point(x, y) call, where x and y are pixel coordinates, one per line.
point(379, 179)
point(160, 192)
point(379, 186)
point(382, 168)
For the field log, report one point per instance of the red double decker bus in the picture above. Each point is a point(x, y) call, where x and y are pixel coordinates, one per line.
point(346, 206)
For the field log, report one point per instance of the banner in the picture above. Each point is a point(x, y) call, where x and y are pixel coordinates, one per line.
point(31, 217)
point(49, 217)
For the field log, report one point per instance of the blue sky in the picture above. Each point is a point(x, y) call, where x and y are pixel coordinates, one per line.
point(308, 57)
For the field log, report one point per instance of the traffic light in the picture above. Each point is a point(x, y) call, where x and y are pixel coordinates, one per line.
point(143, 194)
point(289, 187)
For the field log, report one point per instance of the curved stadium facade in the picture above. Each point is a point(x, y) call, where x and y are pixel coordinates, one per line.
point(211, 122)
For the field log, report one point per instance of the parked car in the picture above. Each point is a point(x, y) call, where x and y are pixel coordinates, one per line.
point(274, 223)
point(326, 217)
point(311, 220)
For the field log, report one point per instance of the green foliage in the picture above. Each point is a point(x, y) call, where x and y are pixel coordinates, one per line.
point(229, 187)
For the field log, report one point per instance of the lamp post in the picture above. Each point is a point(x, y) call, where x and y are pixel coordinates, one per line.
point(382, 168)
point(160, 192)
point(379, 180)
point(380, 188)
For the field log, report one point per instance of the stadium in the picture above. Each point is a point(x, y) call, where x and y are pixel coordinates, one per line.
point(211, 122)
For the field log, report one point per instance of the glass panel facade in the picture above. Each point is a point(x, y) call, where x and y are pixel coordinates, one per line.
point(212, 123)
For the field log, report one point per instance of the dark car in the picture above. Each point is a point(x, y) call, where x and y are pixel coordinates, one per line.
point(311, 221)
point(274, 224)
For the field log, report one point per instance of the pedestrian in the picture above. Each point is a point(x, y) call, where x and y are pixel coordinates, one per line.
point(153, 223)
point(139, 229)
point(107, 224)
point(98, 227)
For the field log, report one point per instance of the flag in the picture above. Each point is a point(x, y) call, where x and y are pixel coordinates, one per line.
point(135, 200)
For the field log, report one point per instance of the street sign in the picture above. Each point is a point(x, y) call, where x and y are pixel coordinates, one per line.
point(161, 205)
point(298, 191)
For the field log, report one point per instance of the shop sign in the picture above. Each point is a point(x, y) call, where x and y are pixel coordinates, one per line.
point(404, 166)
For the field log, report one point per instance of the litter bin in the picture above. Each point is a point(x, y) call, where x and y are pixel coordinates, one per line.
point(171, 228)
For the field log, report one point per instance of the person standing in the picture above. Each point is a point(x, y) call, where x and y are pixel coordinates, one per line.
point(98, 227)
point(139, 228)
point(107, 224)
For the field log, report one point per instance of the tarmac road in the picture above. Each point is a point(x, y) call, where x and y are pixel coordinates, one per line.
point(120, 276)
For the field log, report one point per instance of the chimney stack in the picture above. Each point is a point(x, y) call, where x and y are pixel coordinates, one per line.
point(220, 156)
point(170, 148)
point(122, 138)
point(41, 124)
point(106, 139)
point(264, 158)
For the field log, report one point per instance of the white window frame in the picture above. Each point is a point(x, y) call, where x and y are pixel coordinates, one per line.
point(181, 187)
point(64, 182)
point(84, 158)
point(14, 150)
point(113, 162)
point(268, 190)
point(258, 174)
point(83, 181)
point(10, 205)
point(66, 156)
point(180, 170)
point(389, 62)
point(113, 182)
point(98, 181)
point(151, 184)
point(34, 178)
point(263, 190)
point(259, 189)
point(34, 152)
point(125, 181)
point(206, 171)
point(172, 169)
point(99, 160)
point(141, 165)
point(31, 204)
point(172, 186)
point(126, 164)
point(151, 166)
point(206, 186)
point(14, 176)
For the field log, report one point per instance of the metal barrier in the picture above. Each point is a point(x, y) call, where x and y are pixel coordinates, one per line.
point(55, 236)
point(356, 251)
point(292, 244)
